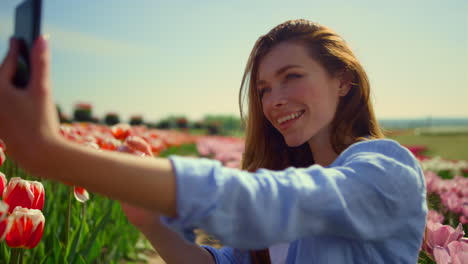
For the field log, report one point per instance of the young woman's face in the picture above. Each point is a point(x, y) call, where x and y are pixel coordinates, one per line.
point(298, 96)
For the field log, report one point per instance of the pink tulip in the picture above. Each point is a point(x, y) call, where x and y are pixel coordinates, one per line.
point(440, 235)
point(451, 201)
point(138, 144)
point(432, 181)
point(435, 217)
point(27, 194)
point(463, 220)
point(456, 252)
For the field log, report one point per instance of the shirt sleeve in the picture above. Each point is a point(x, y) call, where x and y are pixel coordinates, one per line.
point(228, 255)
point(369, 196)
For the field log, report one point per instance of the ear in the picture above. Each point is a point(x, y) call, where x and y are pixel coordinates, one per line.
point(346, 82)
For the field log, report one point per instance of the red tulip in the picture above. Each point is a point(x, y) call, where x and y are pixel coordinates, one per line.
point(5, 222)
point(80, 194)
point(3, 182)
point(27, 194)
point(121, 131)
point(27, 227)
point(157, 145)
point(109, 143)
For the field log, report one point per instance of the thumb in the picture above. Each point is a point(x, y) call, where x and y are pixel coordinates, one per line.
point(8, 67)
point(40, 64)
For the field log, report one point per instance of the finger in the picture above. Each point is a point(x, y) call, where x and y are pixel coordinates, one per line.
point(40, 64)
point(8, 67)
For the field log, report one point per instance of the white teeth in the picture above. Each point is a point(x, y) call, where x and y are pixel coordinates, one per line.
point(288, 117)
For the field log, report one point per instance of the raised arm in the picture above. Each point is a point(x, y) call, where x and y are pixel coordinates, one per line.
point(29, 126)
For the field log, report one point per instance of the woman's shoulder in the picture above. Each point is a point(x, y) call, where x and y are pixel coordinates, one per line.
point(378, 149)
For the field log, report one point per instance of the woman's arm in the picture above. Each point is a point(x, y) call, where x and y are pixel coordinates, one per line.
point(29, 126)
point(170, 246)
point(145, 182)
point(374, 191)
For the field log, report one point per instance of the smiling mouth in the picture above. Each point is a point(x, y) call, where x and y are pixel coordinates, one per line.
point(288, 119)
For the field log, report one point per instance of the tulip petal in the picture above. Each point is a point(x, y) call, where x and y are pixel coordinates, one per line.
point(81, 195)
point(441, 255)
point(457, 234)
point(3, 182)
point(2, 157)
point(5, 226)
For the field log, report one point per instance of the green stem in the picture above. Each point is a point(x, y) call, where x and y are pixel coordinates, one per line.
point(15, 255)
point(21, 256)
point(68, 220)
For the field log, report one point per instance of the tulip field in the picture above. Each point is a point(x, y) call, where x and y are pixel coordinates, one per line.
point(49, 222)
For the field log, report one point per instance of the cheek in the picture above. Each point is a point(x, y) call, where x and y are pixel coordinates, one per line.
point(306, 92)
point(265, 111)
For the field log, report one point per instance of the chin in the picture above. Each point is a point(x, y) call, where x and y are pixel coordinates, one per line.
point(294, 142)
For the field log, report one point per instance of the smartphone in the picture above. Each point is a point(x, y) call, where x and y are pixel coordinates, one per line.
point(27, 30)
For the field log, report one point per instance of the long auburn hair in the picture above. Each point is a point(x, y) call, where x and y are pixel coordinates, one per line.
point(354, 117)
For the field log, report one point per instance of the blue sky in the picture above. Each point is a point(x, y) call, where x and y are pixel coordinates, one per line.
point(158, 58)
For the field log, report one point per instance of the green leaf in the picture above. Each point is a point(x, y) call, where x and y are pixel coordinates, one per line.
point(100, 226)
point(71, 251)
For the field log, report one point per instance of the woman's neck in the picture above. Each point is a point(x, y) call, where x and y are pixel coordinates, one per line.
point(321, 148)
point(322, 152)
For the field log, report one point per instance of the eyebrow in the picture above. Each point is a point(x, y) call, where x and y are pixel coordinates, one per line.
point(280, 71)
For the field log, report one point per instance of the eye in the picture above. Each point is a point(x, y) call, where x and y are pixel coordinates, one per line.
point(291, 76)
point(262, 91)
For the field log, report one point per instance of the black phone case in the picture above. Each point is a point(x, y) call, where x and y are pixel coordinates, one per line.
point(27, 30)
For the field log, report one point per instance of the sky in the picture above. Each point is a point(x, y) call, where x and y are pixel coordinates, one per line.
point(185, 57)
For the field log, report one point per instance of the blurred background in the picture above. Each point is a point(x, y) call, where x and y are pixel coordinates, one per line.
point(156, 59)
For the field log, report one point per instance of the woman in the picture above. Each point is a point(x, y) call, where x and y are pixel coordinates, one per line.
point(319, 185)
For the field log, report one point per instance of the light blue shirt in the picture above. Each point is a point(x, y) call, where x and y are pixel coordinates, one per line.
point(368, 206)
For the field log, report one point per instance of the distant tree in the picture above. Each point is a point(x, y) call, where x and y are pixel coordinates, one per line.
point(199, 125)
point(226, 124)
point(214, 128)
point(181, 122)
point(94, 119)
point(136, 120)
point(111, 119)
point(163, 124)
point(151, 125)
point(83, 112)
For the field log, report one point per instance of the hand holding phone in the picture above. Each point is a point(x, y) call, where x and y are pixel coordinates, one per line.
point(27, 30)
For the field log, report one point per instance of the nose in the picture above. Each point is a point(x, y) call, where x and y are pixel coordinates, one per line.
point(278, 98)
point(279, 102)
